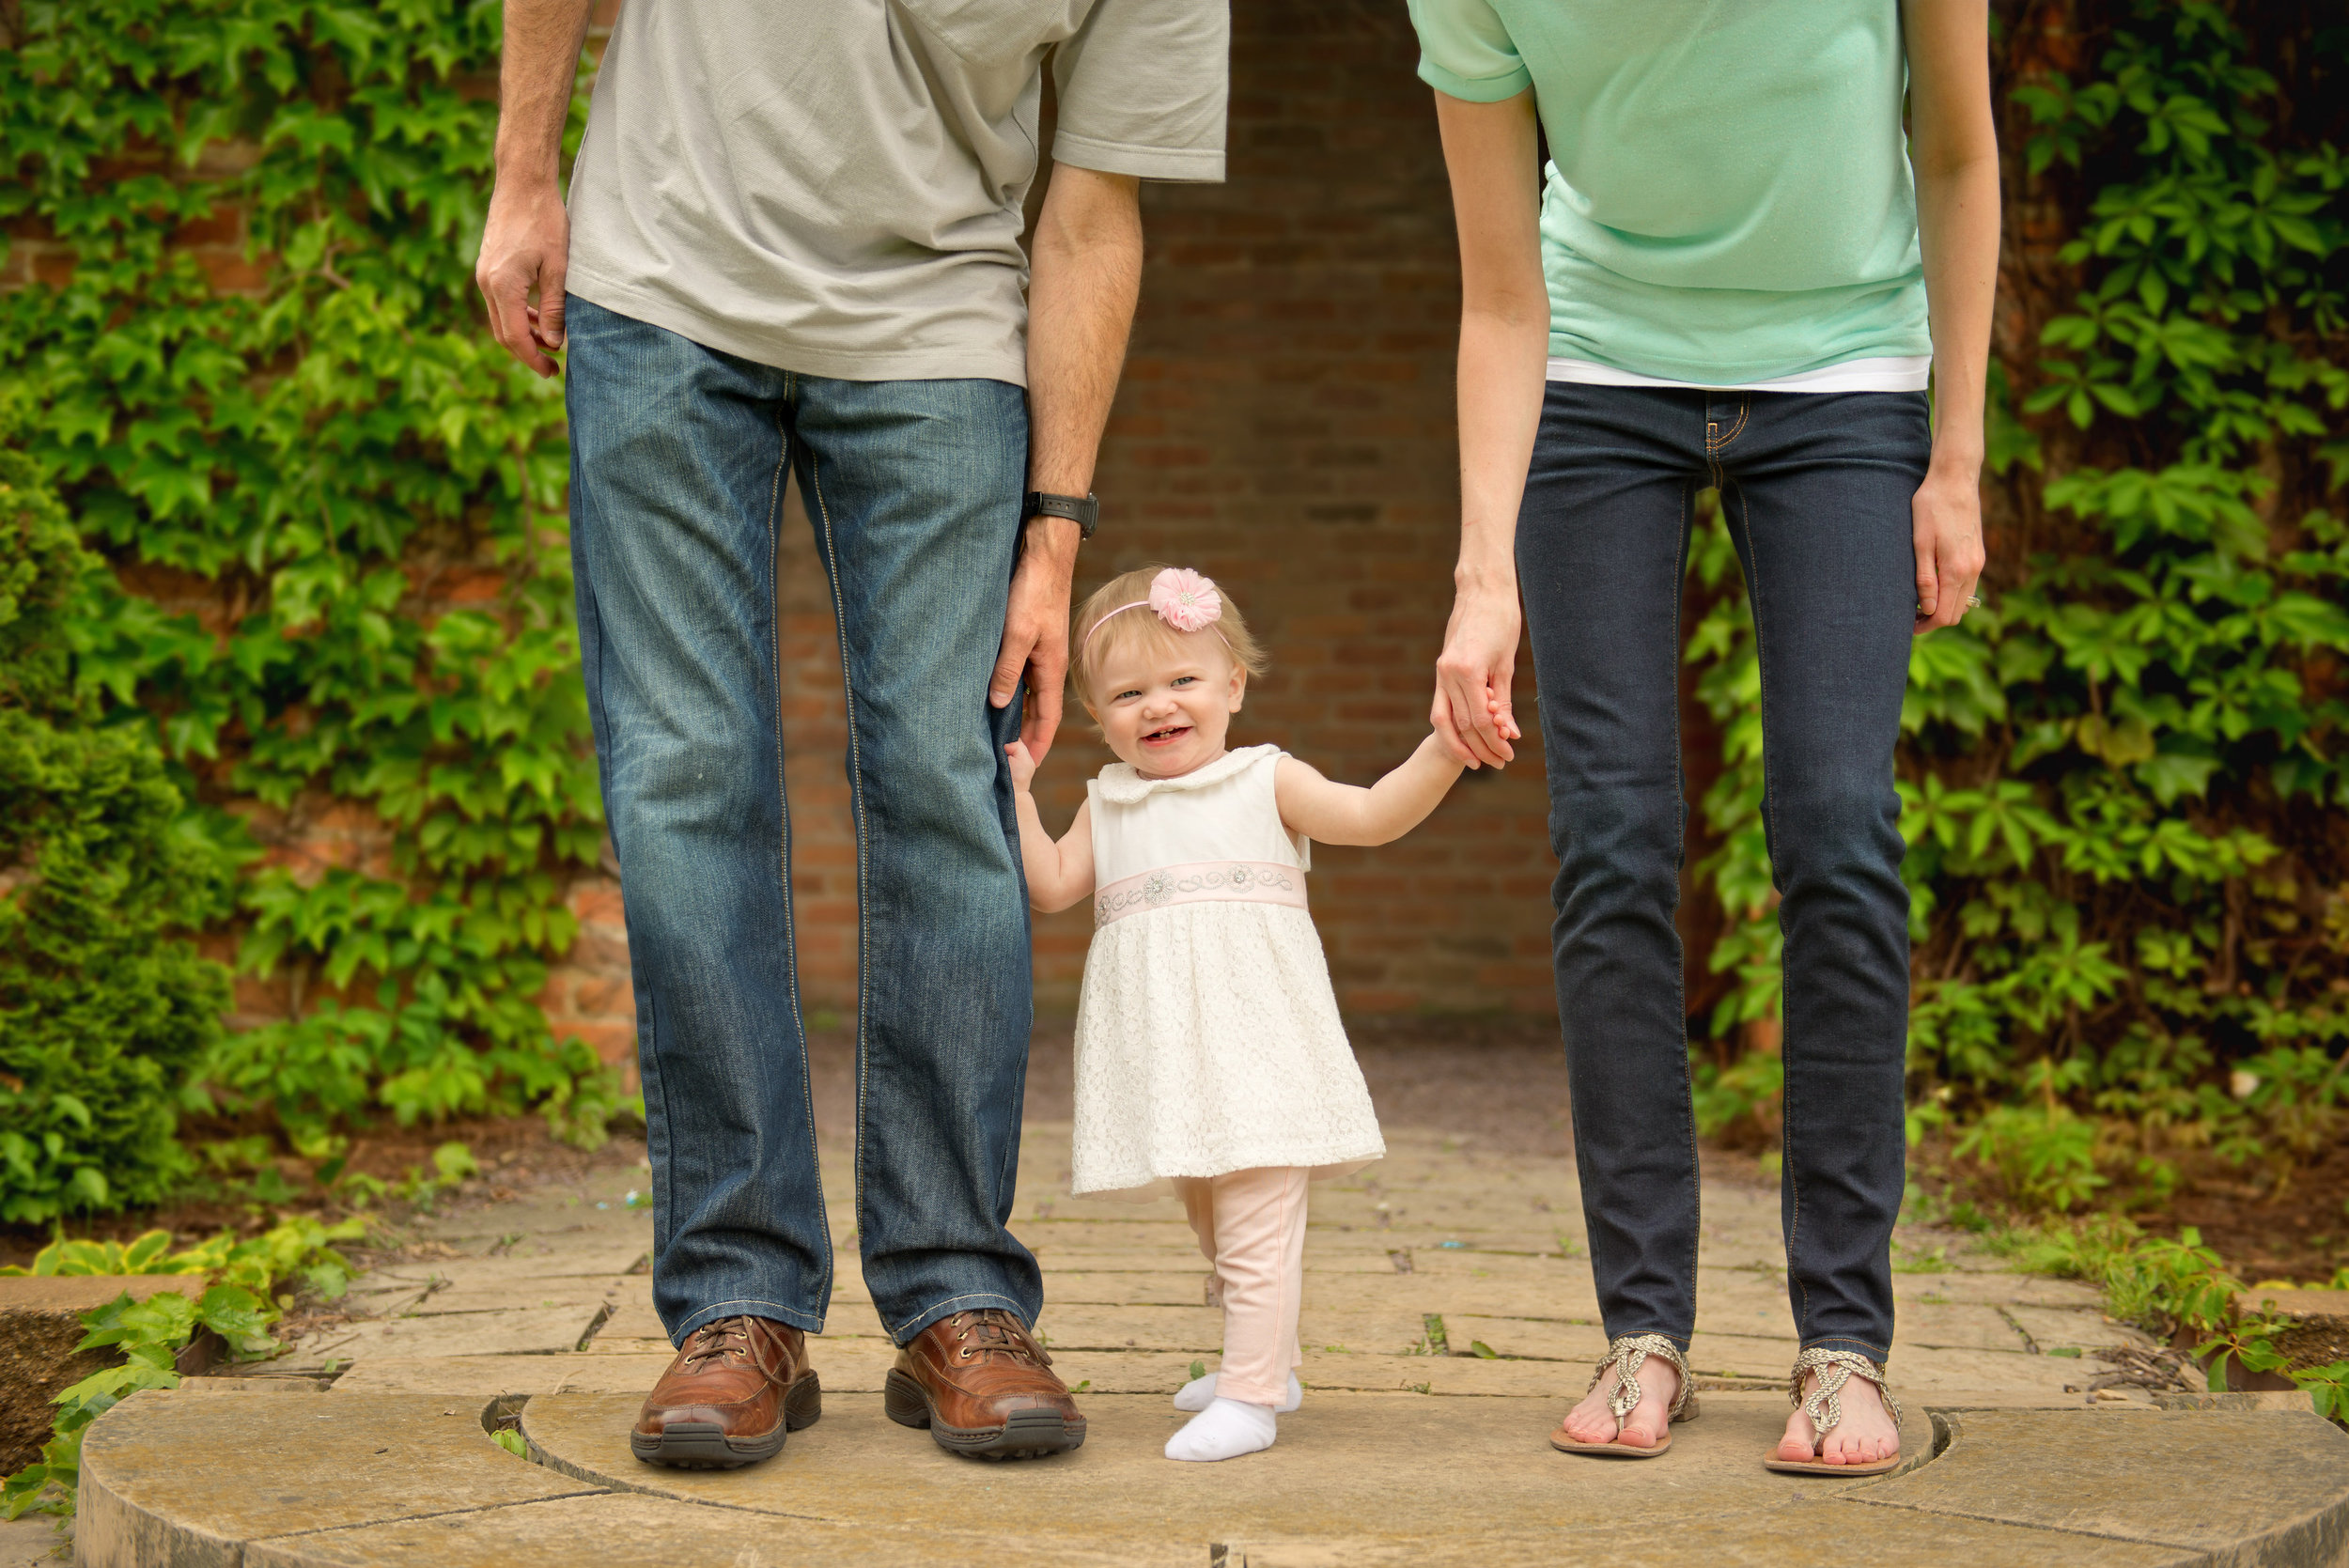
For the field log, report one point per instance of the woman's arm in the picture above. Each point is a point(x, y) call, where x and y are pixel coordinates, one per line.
point(1059, 874)
point(1954, 146)
point(1348, 813)
point(1504, 353)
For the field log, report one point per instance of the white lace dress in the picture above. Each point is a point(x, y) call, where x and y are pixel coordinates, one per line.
point(1207, 1039)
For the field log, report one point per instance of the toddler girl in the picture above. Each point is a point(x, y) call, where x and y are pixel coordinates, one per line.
point(1208, 1047)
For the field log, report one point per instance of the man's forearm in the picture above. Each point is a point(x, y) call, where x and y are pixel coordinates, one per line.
point(535, 77)
point(1086, 276)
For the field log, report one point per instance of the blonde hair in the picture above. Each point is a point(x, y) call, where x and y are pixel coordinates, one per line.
point(1100, 630)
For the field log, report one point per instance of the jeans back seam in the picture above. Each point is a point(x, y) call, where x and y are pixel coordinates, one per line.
point(856, 797)
point(782, 805)
point(1769, 811)
point(1680, 969)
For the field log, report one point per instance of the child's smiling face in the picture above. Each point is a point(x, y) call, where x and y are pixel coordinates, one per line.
point(1165, 704)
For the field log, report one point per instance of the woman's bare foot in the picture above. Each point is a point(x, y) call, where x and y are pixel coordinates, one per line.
point(1592, 1422)
point(1865, 1435)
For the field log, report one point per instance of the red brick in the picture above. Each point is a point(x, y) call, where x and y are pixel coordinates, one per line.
point(611, 1042)
point(230, 272)
point(599, 998)
point(222, 225)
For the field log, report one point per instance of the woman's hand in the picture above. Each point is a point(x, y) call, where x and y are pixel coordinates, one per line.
point(1471, 714)
point(1946, 514)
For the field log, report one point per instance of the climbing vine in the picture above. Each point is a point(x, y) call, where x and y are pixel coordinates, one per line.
point(249, 362)
point(2123, 781)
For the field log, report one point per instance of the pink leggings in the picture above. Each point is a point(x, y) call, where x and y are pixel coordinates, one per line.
point(1251, 1226)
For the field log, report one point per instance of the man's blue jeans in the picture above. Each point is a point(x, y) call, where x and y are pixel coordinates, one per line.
point(1816, 488)
point(678, 458)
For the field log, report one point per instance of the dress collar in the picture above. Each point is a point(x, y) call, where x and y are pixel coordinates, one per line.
point(1123, 786)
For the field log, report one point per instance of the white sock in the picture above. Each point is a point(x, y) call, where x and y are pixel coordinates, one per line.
point(1199, 1393)
point(1224, 1429)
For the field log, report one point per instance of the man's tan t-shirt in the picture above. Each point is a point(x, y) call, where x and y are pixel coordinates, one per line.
point(834, 186)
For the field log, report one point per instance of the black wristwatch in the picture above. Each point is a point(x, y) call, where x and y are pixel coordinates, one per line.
point(1082, 510)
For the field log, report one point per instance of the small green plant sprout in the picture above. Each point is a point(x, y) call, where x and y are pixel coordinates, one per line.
point(150, 1334)
point(2044, 1154)
point(1198, 1370)
point(1437, 1343)
point(1483, 1351)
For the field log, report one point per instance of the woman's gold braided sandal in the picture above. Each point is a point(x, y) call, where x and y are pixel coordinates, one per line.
point(1825, 1409)
point(1624, 1355)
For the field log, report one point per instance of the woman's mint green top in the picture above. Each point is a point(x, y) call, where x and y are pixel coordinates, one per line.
point(1729, 195)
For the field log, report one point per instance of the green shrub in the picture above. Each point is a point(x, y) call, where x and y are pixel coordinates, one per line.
point(105, 1012)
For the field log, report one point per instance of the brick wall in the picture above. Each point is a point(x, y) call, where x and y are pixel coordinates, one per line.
point(1285, 426)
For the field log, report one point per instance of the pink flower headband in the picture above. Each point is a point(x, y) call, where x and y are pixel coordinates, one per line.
point(1183, 599)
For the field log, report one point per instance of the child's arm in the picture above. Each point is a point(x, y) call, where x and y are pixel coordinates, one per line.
point(1348, 813)
point(1059, 874)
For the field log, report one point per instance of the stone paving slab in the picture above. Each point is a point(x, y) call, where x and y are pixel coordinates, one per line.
point(1399, 1456)
point(1395, 1465)
point(185, 1478)
point(514, 1331)
point(636, 1531)
point(2259, 1487)
point(1357, 1480)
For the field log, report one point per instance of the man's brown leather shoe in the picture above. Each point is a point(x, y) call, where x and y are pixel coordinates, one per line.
point(738, 1389)
point(978, 1381)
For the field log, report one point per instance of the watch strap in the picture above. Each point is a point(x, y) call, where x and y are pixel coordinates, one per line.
point(1082, 510)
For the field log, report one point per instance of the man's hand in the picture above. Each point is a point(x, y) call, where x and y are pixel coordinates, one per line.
point(1035, 632)
point(527, 246)
point(524, 251)
point(1947, 516)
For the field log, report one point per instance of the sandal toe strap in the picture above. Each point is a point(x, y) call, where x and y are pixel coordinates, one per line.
point(1836, 1368)
point(1625, 1355)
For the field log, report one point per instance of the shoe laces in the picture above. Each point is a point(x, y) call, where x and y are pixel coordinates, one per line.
point(992, 1331)
point(735, 1337)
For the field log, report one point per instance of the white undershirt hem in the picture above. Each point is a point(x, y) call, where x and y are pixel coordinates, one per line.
point(1892, 373)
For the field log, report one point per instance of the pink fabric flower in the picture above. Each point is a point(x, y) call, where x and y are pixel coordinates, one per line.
point(1185, 601)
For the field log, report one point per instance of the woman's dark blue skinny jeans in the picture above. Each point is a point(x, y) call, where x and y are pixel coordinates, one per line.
point(1816, 491)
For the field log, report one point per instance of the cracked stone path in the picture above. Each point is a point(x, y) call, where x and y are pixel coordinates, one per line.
point(1448, 1318)
point(1440, 1271)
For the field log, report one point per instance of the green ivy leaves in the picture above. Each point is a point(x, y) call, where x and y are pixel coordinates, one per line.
point(2124, 896)
point(333, 509)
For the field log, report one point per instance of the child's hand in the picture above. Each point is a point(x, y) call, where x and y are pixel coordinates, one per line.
point(1022, 764)
point(1503, 722)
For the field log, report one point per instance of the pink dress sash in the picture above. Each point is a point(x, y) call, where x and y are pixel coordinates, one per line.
point(1200, 882)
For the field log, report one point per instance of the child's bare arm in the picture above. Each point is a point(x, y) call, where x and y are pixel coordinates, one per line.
point(1059, 874)
point(1348, 813)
